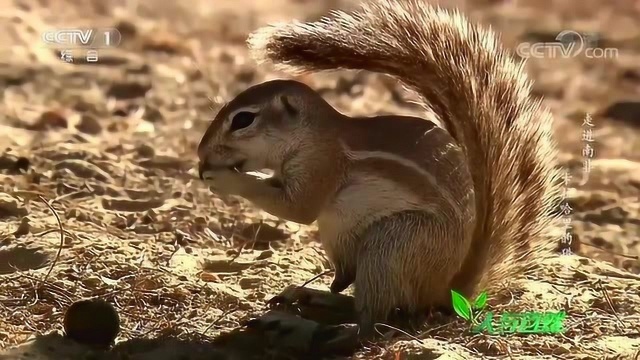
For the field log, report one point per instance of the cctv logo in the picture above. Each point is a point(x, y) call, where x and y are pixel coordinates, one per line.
point(68, 37)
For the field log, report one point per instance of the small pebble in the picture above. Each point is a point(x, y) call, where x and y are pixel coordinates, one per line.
point(92, 322)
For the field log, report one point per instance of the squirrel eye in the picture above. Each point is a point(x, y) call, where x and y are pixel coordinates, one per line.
point(241, 120)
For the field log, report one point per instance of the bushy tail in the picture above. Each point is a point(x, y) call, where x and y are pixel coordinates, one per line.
point(481, 95)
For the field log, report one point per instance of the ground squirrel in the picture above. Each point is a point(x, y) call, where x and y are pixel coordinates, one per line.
point(406, 210)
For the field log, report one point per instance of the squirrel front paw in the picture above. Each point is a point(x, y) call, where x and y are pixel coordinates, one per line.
point(227, 181)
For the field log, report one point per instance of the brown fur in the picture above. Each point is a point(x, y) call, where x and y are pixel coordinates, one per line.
point(481, 95)
point(405, 210)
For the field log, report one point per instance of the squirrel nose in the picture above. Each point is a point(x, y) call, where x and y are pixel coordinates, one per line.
point(205, 164)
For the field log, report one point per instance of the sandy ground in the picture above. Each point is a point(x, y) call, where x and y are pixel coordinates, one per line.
point(109, 150)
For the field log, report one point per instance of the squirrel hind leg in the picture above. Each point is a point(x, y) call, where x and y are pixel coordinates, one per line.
point(405, 261)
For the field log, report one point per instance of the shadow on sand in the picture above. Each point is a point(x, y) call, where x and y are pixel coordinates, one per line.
point(302, 324)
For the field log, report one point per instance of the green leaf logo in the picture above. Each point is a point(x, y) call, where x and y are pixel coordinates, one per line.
point(461, 305)
point(481, 301)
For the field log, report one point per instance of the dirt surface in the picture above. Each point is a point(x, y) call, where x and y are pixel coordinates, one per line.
point(104, 154)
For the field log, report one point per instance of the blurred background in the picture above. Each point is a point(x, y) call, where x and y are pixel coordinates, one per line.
point(113, 142)
point(178, 61)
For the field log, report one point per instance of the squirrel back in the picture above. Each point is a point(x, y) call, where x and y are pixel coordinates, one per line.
point(481, 96)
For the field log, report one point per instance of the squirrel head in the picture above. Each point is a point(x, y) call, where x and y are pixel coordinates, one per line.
point(260, 126)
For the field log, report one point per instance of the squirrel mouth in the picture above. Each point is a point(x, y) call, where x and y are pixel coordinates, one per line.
point(237, 167)
point(206, 171)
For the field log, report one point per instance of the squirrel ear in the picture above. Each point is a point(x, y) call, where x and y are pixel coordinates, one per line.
point(287, 105)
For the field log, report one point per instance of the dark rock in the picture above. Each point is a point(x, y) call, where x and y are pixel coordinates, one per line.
point(92, 322)
point(89, 124)
point(128, 90)
point(624, 111)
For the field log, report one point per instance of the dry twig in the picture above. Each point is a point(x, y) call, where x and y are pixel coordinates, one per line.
point(55, 260)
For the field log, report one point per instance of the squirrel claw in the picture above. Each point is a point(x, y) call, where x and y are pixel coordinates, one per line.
point(277, 300)
point(341, 281)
